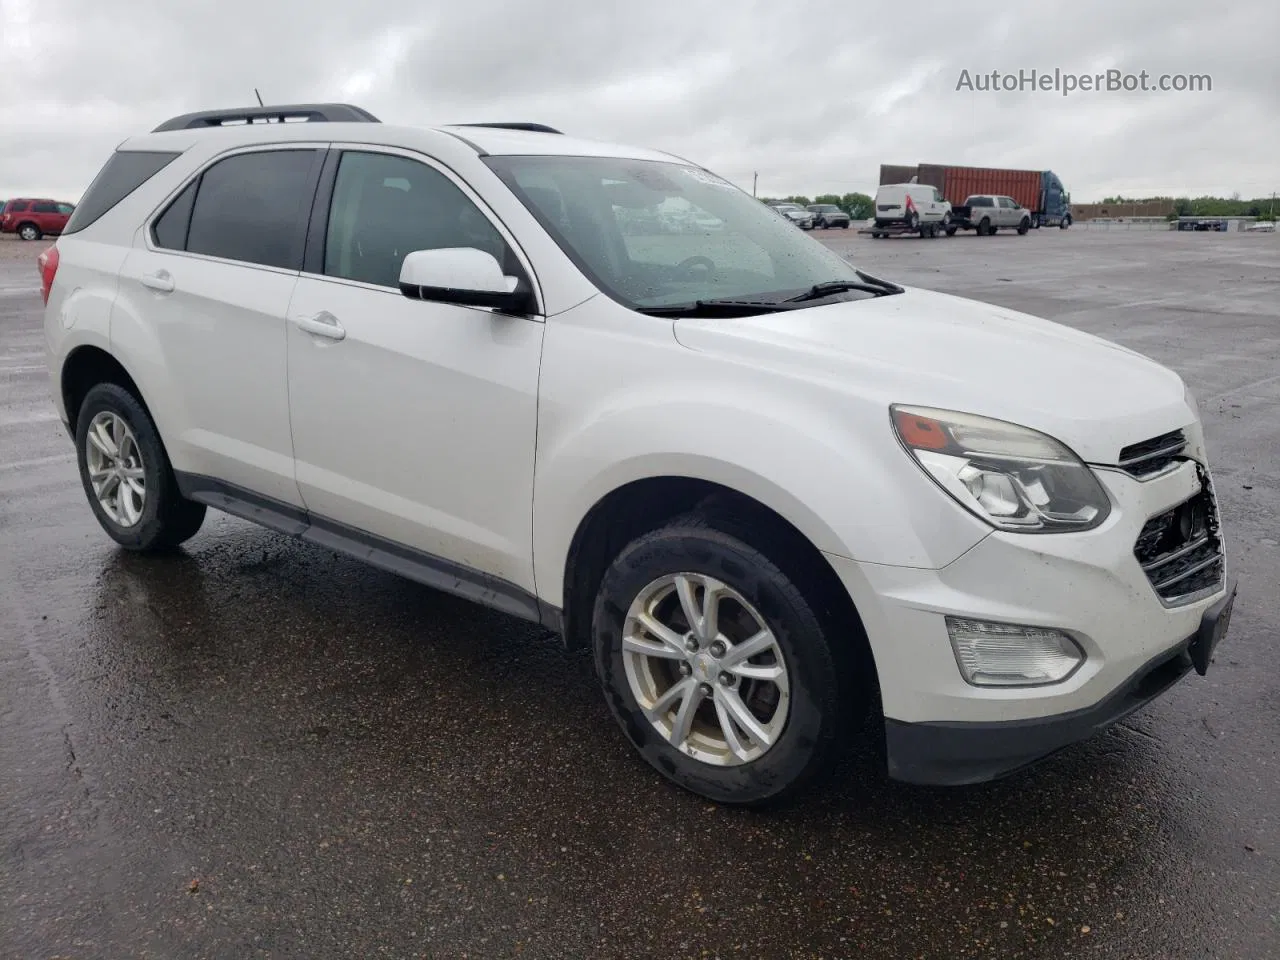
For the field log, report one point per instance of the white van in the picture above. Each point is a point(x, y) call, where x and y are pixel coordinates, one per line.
point(911, 208)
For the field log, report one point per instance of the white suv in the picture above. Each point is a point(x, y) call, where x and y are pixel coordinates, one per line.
point(770, 491)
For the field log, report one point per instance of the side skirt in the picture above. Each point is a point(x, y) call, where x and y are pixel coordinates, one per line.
point(425, 568)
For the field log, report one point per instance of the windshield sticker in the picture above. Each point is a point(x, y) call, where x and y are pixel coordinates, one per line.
point(705, 176)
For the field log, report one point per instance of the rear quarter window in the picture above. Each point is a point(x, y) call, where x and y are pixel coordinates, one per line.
point(16, 206)
point(124, 173)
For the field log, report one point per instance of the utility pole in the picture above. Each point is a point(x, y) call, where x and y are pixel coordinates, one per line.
point(755, 177)
point(259, 96)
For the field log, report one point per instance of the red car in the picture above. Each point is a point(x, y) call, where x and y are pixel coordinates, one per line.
point(32, 219)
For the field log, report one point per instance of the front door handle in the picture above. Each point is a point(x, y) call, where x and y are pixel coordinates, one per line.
point(323, 324)
point(161, 281)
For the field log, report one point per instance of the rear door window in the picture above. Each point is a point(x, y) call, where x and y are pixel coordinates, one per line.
point(250, 207)
point(124, 173)
point(44, 206)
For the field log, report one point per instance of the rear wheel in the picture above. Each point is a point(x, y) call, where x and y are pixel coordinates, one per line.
point(29, 231)
point(716, 666)
point(913, 221)
point(127, 476)
point(984, 227)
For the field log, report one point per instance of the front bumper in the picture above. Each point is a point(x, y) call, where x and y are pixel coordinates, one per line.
point(940, 728)
point(955, 754)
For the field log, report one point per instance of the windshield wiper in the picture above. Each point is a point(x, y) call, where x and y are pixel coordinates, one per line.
point(868, 284)
point(720, 308)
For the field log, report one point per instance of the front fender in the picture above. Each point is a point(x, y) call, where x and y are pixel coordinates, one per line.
point(848, 498)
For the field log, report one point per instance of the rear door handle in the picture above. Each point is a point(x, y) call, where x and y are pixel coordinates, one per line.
point(323, 324)
point(161, 281)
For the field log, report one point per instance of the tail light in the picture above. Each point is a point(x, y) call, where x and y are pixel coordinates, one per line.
point(48, 262)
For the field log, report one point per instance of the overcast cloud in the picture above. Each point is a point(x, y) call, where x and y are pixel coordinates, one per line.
point(813, 95)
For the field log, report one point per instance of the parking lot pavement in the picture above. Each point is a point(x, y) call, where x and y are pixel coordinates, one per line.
point(258, 749)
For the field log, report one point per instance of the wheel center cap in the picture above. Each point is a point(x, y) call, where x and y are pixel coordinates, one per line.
point(704, 667)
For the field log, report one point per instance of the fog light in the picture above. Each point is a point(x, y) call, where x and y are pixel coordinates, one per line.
point(1007, 655)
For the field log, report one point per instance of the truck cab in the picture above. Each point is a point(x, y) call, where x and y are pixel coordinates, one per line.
point(1055, 203)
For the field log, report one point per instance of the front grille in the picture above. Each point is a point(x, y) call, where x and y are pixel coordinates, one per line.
point(1149, 457)
point(1181, 549)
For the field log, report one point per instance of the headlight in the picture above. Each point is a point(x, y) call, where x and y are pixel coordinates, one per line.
point(1013, 477)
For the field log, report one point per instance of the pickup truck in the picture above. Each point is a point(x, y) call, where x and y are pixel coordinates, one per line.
point(986, 214)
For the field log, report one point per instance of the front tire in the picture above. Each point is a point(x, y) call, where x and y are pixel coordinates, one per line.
point(1023, 227)
point(1066, 222)
point(716, 666)
point(126, 473)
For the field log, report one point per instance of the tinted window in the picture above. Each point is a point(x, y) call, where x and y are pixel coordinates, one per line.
point(385, 207)
point(170, 230)
point(66, 208)
point(44, 206)
point(124, 173)
point(16, 206)
point(251, 207)
point(1006, 203)
point(980, 202)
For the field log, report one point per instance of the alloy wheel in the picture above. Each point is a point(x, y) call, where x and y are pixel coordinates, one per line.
point(116, 470)
point(705, 669)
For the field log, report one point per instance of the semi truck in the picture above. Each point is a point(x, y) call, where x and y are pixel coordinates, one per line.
point(1040, 191)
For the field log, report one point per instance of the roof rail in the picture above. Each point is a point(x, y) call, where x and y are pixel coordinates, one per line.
point(530, 127)
point(310, 112)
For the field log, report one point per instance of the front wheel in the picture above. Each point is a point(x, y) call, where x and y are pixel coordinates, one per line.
point(127, 476)
point(716, 666)
point(1023, 227)
point(1066, 222)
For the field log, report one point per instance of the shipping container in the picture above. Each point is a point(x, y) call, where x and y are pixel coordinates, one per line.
point(965, 182)
point(896, 173)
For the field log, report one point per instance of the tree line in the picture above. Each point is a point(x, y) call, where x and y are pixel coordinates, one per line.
point(1264, 208)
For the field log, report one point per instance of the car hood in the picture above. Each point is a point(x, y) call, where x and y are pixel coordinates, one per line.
point(931, 349)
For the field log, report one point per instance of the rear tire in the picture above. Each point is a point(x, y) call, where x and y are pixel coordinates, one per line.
point(29, 231)
point(725, 764)
point(164, 518)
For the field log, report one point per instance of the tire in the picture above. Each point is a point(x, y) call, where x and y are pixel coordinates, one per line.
point(1066, 222)
point(844, 226)
point(804, 739)
point(984, 227)
point(913, 222)
point(1023, 227)
point(166, 518)
point(29, 231)
point(951, 231)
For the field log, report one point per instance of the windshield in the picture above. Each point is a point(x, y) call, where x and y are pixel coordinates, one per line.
point(654, 234)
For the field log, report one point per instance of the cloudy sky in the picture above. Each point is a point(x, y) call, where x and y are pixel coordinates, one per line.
point(812, 94)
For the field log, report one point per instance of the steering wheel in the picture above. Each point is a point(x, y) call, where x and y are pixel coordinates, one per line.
point(692, 264)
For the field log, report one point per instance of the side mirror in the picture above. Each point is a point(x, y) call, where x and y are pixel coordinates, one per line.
point(462, 275)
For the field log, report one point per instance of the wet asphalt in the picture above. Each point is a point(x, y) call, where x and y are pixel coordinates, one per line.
point(256, 748)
